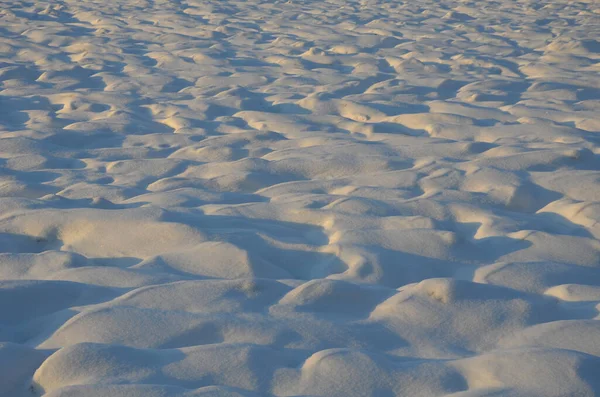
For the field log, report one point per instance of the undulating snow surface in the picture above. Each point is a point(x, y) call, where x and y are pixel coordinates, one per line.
point(299, 198)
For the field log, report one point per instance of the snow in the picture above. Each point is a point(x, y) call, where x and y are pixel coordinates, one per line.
point(299, 198)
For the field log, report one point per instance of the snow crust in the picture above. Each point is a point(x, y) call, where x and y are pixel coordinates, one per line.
point(299, 198)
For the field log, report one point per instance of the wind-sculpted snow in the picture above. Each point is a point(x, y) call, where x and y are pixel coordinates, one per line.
point(299, 198)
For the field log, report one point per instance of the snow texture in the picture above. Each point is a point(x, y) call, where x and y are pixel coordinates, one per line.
point(299, 198)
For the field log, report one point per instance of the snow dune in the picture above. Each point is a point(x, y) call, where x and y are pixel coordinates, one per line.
point(299, 198)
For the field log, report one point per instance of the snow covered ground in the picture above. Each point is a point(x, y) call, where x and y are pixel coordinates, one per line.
point(299, 198)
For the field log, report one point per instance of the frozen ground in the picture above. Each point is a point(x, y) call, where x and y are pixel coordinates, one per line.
point(299, 198)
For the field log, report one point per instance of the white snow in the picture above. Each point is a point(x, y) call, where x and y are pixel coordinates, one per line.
point(299, 198)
